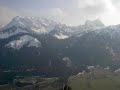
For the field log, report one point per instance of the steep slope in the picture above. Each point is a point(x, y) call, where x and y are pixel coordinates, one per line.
point(96, 46)
point(27, 25)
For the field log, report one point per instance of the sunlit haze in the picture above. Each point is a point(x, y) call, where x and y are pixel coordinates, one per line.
point(70, 12)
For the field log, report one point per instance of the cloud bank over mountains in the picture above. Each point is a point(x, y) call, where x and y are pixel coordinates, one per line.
point(70, 12)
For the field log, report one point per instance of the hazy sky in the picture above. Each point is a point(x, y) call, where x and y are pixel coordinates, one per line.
point(70, 12)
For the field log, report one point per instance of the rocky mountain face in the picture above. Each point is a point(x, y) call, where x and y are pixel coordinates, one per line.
point(56, 47)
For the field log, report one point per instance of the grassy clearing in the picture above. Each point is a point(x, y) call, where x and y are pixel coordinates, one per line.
point(95, 82)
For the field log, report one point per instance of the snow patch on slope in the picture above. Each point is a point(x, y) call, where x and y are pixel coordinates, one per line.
point(61, 36)
point(24, 40)
point(67, 61)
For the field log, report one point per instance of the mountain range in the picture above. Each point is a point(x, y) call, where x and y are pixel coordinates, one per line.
point(56, 47)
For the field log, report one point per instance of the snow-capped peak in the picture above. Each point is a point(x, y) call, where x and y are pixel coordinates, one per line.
point(39, 25)
point(94, 24)
point(16, 21)
point(61, 36)
point(23, 25)
point(35, 24)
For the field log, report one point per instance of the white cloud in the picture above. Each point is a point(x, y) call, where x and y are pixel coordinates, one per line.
point(56, 14)
point(78, 13)
point(106, 10)
point(96, 6)
point(111, 16)
point(87, 3)
point(7, 14)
